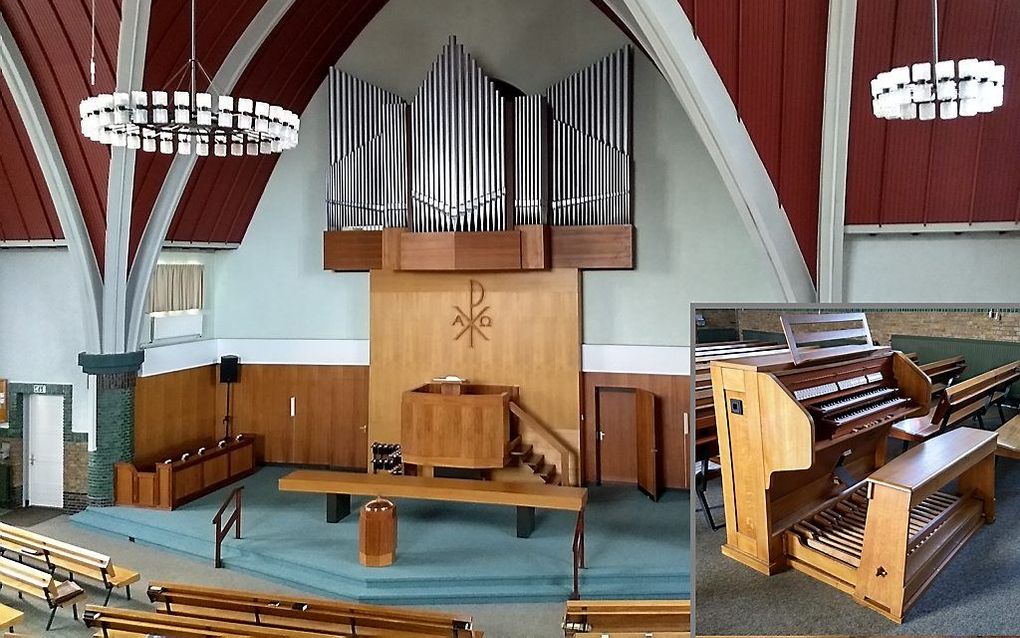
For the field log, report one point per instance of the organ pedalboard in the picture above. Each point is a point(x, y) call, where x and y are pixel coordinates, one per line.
point(806, 484)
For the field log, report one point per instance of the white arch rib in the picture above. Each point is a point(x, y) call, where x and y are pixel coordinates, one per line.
point(134, 30)
point(58, 181)
point(180, 169)
point(668, 36)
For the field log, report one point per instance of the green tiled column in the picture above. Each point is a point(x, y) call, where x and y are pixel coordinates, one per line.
point(116, 375)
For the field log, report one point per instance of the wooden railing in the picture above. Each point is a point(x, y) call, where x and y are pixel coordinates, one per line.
point(567, 457)
point(234, 520)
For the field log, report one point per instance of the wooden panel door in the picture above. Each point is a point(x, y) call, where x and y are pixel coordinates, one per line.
point(617, 435)
point(648, 456)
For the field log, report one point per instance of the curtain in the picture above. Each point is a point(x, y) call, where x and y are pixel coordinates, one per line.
point(176, 287)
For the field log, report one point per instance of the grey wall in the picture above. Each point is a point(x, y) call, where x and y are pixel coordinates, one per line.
point(933, 268)
point(691, 243)
point(41, 329)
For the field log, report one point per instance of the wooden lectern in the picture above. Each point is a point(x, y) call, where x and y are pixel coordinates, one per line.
point(457, 424)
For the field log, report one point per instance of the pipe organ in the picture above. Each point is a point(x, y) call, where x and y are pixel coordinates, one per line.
point(367, 182)
point(539, 174)
point(460, 121)
point(591, 127)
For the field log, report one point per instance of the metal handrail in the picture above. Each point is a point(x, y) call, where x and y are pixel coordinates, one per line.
point(578, 550)
point(234, 520)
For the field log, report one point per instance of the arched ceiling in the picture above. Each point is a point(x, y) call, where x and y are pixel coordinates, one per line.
point(218, 26)
point(771, 57)
point(54, 37)
point(27, 213)
point(962, 170)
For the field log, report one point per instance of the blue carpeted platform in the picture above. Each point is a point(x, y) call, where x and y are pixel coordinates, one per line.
point(446, 552)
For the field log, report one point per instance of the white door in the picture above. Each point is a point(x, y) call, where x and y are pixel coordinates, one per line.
point(44, 452)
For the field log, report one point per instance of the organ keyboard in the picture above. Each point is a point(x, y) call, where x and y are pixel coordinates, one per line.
point(805, 479)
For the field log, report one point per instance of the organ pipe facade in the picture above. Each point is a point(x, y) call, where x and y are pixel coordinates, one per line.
point(470, 153)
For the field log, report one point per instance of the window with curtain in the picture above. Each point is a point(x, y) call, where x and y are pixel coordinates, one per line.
point(176, 287)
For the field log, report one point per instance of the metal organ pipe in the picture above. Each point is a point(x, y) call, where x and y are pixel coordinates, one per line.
point(480, 159)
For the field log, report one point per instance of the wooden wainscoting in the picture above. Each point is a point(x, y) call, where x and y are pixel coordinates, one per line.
point(174, 412)
point(527, 333)
point(672, 394)
point(329, 426)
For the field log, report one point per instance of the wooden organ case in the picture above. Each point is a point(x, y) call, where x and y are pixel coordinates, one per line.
point(805, 479)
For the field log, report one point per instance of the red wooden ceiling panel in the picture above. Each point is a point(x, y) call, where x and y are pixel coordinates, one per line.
point(221, 196)
point(997, 168)
point(54, 37)
point(716, 24)
point(876, 23)
point(907, 143)
point(761, 73)
point(801, 143)
point(961, 170)
point(956, 143)
point(218, 26)
point(28, 211)
point(771, 58)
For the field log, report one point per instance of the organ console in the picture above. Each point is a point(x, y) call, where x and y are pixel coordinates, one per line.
point(805, 479)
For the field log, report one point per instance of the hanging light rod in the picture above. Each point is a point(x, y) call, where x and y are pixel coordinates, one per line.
point(951, 88)
point(148, 121)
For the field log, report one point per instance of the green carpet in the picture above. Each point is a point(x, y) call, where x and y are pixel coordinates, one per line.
point(446, 552)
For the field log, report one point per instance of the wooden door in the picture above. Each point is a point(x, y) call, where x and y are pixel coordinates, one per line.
point(648, 456)
point(616, 435)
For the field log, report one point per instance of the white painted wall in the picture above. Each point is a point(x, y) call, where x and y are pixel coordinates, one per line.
point(692, 245)
point(273, 286)
point(933, 268)
point(41, 329)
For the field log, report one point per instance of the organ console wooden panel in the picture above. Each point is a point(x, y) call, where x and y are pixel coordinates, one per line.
point(803, 449)
point(457, 425)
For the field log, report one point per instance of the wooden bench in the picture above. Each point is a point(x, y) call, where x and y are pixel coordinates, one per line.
point(304, 613)
point(659, 618)
point(526, 497)
point(185, 477)
point(76, 560)
point(1009, 439)
point(10, 617)
point(943, 373)
point(31, 581)
point(114, 623)
point(958, 403)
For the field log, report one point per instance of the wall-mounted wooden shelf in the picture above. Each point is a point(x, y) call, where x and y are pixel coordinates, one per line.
point(523, 248)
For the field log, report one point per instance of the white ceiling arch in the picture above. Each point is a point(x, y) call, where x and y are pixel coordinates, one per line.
point(666, 33)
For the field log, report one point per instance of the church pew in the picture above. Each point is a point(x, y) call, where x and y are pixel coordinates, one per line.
point(304, 613)
point(76, 560)
point(39, 584)
point(659, 618)
point(959, 403)
point(129, 622)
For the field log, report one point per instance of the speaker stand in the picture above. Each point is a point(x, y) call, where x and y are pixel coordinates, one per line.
point(228, 418)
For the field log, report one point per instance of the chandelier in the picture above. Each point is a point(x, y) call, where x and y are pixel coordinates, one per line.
point(192, 123)
point(964, 88)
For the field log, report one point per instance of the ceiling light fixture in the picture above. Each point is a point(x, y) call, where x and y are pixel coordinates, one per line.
point(192, 122)
point(963, 88)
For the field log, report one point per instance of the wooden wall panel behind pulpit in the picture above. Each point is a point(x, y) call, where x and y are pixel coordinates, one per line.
point(492, 328)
